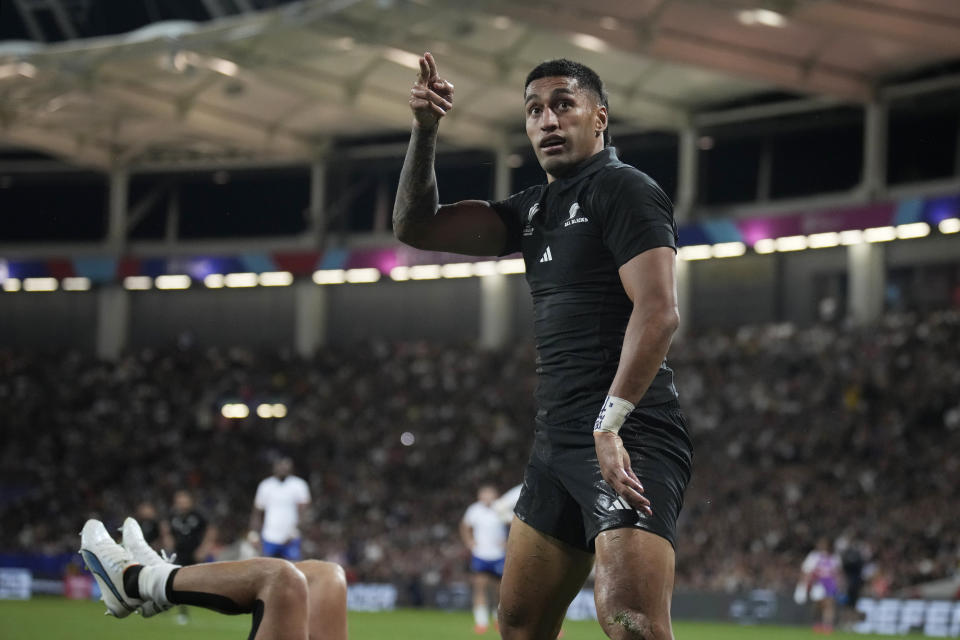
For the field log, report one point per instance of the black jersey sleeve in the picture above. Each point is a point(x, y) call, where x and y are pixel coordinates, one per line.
point(511, 212)
point(636, 214)
point(188, 533)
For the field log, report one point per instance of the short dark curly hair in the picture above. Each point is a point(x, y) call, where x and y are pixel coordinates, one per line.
point(584, 75)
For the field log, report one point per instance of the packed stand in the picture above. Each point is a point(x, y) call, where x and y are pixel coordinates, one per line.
point(798, 434)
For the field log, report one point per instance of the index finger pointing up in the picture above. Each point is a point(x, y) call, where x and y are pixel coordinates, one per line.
point(424, 76)
point(434, 74)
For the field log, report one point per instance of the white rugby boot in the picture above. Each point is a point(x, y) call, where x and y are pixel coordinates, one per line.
point(107, 560)
point(143, 553)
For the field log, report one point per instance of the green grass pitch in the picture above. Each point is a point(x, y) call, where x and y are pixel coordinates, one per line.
point(48, 618)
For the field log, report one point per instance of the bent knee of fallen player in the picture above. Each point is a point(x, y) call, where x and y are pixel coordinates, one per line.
point(326, 577)
point(327, 588)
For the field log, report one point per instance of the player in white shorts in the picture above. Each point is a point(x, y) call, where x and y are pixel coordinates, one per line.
point(485, 535)
point(279, 505)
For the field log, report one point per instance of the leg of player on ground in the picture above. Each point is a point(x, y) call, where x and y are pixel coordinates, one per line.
point(634, 584)
point(541, 577)
point(327, 587)
point(273, 590)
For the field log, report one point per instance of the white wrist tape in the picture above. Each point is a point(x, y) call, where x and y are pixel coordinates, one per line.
point(613, 414)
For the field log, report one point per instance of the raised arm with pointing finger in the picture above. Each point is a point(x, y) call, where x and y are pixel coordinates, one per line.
point(470, 227)
point(611, 455)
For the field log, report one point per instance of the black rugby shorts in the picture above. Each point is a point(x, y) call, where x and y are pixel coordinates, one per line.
point(565, 496)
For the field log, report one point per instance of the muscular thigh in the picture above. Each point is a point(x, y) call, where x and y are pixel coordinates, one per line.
point(635, 571)
point(541, 577)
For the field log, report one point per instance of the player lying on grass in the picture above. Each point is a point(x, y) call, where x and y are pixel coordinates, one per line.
point(306, 600)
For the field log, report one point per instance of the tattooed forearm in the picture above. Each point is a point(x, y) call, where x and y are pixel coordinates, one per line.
point(417, 196)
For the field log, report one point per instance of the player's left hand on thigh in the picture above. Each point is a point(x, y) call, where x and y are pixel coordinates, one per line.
point(616, 471)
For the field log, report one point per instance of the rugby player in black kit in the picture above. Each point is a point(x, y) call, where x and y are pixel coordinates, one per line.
point(187, 534)
point(611, 454)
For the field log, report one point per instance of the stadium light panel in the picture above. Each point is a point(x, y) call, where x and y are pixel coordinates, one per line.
point(76, 284)
point(24, 69)
point(214, 281)
point(357, 276)
point(609, 23)
point(823, 240)
point(168, 282)
point(949, 225)
point(183, 61)
point(766, 17)
point(513, 265)
point(40, 284)
point(400, 274)
point(222, 66)
point(695, 252)
point(264, 411)
point(275, 279)
point(913, 230)
point(235, 410)
point(880, 234)
point(791, 243)
point(237, 280)
point(329, 276)
point(425, 272)
point(279, 410)
point(485, 268)
point(590, 43)
point(11, 284)
point(403, 58)
point(764, 246)
point(137, 283)
point(457, 270)
point(851, 236)
point(728, 249)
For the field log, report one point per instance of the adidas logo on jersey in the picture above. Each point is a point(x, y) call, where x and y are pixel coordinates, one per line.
point(619, 505)
point(547, 256)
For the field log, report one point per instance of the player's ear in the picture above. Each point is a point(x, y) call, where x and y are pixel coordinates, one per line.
point(601, 119)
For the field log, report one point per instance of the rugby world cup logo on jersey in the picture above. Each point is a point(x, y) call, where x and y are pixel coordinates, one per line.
point(574, 215)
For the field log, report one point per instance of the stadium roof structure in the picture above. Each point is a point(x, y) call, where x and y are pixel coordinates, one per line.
point(286, 83)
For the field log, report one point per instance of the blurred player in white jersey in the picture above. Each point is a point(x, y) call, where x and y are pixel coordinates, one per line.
point(484, 533)
point(279, 507)
point(821, 575)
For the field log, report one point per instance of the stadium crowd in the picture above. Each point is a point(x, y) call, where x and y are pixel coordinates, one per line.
point(853, 434)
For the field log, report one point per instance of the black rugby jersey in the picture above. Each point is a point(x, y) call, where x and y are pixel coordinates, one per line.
point(188, 530)
point(575, 233)
point(150, 529)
